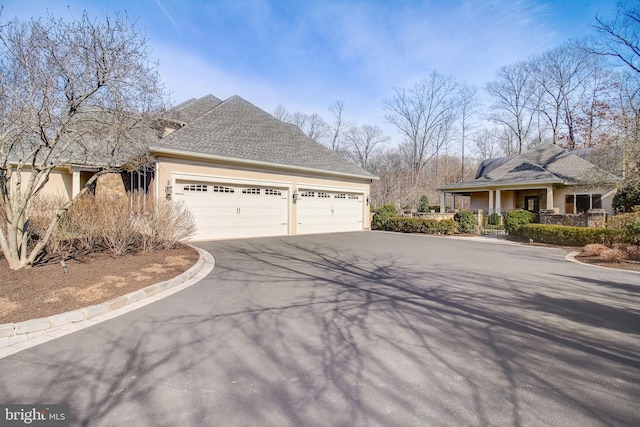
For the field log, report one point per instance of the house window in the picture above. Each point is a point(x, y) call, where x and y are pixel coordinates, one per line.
point(250, 191)
point(353, 197)
point(272, 192)
point(340, 196)
point(580, 203)
point(323, 195)
point(307, 194)
point(195, 187)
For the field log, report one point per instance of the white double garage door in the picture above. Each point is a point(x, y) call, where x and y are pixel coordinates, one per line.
point(224, 210)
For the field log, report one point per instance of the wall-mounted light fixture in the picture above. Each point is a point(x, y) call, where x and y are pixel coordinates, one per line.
point(295, 196)
point(168, 190)
point(368, 200)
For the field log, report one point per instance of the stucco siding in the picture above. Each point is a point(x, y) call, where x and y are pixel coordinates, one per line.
point(59, 184)
point(168, 168)
point(606, 193)
point(479, 200)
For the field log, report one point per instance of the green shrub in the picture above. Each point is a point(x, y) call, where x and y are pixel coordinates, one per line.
point(627, 196)
point(632, 232)
point(493, 219)
point(384, 214)
point(423, 206)
point(621, 220)
point(447, 226)
point(515, 220)
point(570, 236)
point(466, 221)
point(421, 225)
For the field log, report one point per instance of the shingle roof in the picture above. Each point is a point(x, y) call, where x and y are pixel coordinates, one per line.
point(190, 110)
point(235, 128)
point(543, 164)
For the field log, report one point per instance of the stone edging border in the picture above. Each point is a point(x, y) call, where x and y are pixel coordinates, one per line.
point(572, 257)
point(11, 333)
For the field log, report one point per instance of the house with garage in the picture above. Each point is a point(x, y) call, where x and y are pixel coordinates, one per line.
point(545, 177)
point(242, 173)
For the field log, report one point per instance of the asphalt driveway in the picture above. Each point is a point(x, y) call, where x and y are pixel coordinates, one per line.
point(357, 329)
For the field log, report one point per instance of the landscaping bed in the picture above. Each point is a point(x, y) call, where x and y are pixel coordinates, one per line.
point(46, 290)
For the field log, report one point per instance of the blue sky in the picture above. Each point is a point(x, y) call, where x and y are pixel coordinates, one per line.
point(305, 54)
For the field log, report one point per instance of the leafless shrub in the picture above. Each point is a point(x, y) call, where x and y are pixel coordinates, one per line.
point(633, 252)
point(80, 222)
point(43, 209)
point(115, 224)
point(119, 225)
point(594, 249)
point(165, 226)
point(613, 255)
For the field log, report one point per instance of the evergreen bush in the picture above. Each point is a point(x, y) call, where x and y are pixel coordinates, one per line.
point(632, 232)
point(515, 220)
point(423, 206)
point(384, 214)
point(571, 236)
point(628, 195)
point(466, 221)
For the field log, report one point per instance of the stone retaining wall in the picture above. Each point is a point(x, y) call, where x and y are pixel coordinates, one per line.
point(592, 218)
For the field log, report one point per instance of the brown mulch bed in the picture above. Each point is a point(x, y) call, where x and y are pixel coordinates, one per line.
point(46, 290)
point(624, 265)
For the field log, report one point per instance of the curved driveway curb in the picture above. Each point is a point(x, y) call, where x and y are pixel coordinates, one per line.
point(572, 257)
point(15, 337)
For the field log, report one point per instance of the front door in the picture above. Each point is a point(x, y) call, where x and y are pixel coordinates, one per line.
point(532, 203)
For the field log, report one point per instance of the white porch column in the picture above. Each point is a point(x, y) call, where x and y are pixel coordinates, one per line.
point(491, 210)
point(75, 184)
point(498, 202)
point(443, 201)
point(549, 197)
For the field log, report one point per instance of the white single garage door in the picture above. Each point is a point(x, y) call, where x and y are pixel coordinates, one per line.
point(225, 211)
point(329, 212)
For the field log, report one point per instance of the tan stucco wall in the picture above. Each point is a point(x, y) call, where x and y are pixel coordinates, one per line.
point(167, 168)
point(508, 200)
point(607, 196)
point(479, 200)
point(59, 184)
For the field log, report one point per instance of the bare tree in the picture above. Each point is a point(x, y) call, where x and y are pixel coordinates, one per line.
point(313, 125)
point(364, 141)
point(515, 101)
point(424, 115)
point(487, 142)
point(620, 37)
point(338, 125)
point(468, 105)
point(282, 114)
point(563, 75)
point(627, 121)
point(81, 92)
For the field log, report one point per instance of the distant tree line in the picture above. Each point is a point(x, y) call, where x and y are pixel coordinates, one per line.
point(581, 94)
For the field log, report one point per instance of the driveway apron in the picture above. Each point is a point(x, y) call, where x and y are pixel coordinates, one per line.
point(360, 328)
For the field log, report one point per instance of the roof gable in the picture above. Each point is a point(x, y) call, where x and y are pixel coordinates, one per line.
point(521, 170)
point(548, 163)
point(543, 165)
point(235, 128)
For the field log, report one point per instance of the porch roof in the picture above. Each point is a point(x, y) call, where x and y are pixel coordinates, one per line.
point(541, 166)
point(486, 185)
